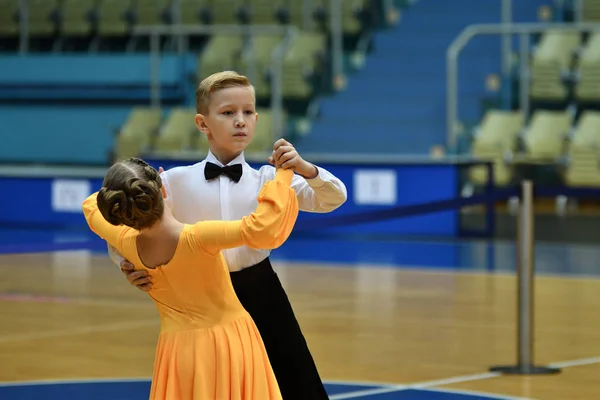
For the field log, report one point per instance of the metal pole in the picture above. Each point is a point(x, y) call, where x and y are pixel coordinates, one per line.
point(506, 37)
point(277, 58)
point(525, 284)
point(524, 73)
point(337, 41)
point(579, 11)
point(452, 84)
point(307, 15)
point(155, 70)
point(525, 271)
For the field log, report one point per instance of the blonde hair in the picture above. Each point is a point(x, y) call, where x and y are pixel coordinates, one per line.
point(131, 195)
point(215, 82)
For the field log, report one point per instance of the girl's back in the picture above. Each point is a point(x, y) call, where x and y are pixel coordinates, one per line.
point(194, 289)
point(209, 346)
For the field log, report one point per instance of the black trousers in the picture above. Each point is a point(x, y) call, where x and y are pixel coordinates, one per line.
point(261, 293)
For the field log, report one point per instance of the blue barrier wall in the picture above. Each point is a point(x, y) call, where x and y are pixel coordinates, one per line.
point(52, 201)
point(91, 77)
point(58, 133)
point(65, 108)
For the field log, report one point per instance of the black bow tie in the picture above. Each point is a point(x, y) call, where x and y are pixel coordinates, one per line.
point(212, 171)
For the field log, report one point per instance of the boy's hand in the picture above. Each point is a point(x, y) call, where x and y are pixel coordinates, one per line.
point(140, 279)
point(285, 156)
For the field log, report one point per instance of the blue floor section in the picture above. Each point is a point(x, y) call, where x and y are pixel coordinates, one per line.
point(473, 255)
point(139, 390)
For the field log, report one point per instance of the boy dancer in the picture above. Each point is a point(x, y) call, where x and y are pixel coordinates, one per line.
point(224, 187)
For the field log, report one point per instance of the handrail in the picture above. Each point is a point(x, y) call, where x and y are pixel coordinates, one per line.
point(454, 50)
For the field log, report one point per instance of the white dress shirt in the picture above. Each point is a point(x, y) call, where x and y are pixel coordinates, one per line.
point(192, 199)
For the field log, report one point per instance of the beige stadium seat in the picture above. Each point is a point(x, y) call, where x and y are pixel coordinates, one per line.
point(137, 132)
point(112, 20)
point(9, 25)
point(584, 153)
point(74, 17)
point(178, 132)
point(264, 137)
point(590, 10)
point(546, 135)
point(496, 138)
point(588, 86)
point(220, 54)
point(552, 57)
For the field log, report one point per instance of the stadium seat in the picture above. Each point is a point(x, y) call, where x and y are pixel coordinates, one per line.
point(546, 136)
point(590, 10)
point(584, 152)
point(113, 17)
point(301, 62)
point(263, 135)
point(588, 85)
point(495, 139)
point(9, 24)
point(178, 132)
point(552, 59)
point(222, 52)
point(152, 12)
point(257, 60)
point(137, 132)
point(75, 19)
point(264, 11)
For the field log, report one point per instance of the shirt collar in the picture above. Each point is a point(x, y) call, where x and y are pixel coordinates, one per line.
point(238, 160)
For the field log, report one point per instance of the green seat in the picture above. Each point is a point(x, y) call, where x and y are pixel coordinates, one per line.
point(257, 61)
point(225, 11)
point(584, 152)
point(220, 54)
point(178, 132)
point(300, 62)
point(150, 12)
point(553, 55)
point(496, 137)
point(40, 17)
point(588, 86)
point(74, 17)
point(546, 135)
point(189, 11)
point(590, 10)
point(263, 11)
point(9, 25)
point(137, 132)
point(112, 20)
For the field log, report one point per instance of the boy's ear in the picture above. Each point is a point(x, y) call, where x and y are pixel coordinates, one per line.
point(164, 192)
point(201, 124)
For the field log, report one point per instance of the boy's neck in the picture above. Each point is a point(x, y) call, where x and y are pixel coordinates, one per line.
point(225, 157)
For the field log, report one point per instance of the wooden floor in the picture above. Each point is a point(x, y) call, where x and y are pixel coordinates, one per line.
point(73, 315)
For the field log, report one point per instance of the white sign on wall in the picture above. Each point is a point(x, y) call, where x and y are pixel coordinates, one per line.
point(68, 195)
point(375, 187)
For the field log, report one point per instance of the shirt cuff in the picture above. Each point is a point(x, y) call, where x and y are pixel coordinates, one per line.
point(318, 180)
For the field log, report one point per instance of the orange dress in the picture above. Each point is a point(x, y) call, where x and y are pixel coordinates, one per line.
point(209, 347)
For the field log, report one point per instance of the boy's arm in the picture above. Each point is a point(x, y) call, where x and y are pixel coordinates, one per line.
point(321, 194)
point(267, 227)
point(317, 189)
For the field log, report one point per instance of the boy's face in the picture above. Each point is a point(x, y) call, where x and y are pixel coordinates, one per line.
point(230, 121)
